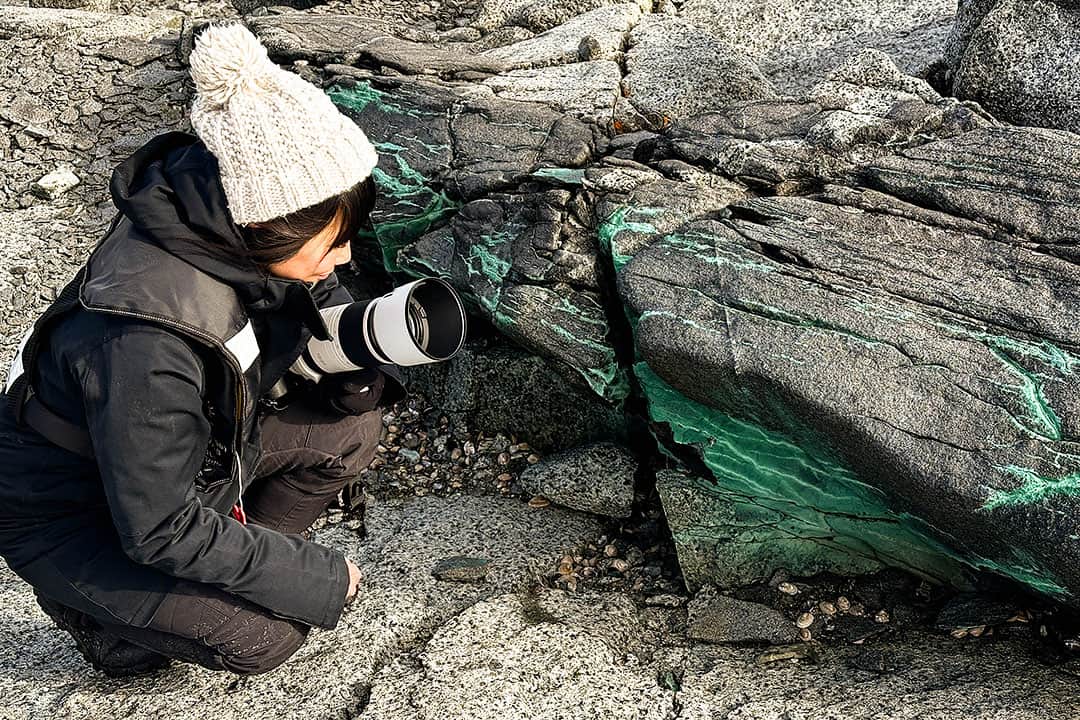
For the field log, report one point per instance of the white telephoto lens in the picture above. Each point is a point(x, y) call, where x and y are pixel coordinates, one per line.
point(326, 356)
point(390, 325)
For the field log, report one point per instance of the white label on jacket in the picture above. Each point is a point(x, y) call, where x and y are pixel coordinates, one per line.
point(16, 369)
point(243, 346)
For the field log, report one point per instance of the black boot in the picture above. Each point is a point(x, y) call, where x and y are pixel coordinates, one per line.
point(104, 650)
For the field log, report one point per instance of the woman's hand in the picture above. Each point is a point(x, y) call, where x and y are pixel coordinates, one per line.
point(355, 577)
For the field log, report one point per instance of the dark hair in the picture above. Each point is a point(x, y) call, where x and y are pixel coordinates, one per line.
point(279, 239)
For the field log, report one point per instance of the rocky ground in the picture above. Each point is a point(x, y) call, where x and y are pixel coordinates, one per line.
point(483, 597)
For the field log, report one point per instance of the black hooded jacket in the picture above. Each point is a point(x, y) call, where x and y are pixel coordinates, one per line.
point(175, 336)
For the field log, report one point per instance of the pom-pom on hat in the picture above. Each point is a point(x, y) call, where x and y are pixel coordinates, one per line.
point(280, 142)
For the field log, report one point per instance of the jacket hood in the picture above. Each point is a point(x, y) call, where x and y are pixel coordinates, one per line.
point(170, 189)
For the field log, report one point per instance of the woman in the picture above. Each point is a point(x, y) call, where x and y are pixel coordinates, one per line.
point(156, 507)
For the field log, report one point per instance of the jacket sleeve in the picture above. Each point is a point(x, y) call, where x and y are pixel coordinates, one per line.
point(143, 397)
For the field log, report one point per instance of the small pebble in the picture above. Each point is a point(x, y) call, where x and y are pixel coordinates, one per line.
point(539, 501)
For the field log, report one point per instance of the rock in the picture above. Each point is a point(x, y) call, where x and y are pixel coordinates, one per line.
point(586, 89)
point(596, 478)
point(55, 184)
point(528, 263)
point(24, 109)
point(973, 611)
point(91, 5)
point(132, 52)
point(675, 70)
point(247, 6)
point(901, 348)
point(1019, 60)
point(399, 605)
point(536, 15)
point(797, 43)
point(460, 568)
point(538, 654)
point(558, 46)
point(717, 618)
point(503, 389)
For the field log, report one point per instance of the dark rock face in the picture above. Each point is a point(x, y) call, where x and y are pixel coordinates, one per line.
point(918, 359)
point(1017, 59)
point(504, 389)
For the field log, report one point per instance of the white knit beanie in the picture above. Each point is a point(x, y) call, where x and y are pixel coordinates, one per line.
point(280, 142)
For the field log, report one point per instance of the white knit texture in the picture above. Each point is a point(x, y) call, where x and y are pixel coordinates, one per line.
point(280, 142)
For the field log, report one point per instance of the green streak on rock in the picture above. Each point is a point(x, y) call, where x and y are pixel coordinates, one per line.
point(792, 505)
point(617, 222)
point(362, 95)
point(567, 176)
point(1043, 423)
point(1048, 425)
point(1035, 489)
point(417, 208)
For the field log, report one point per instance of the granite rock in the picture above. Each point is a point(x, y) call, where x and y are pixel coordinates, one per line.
point(596, 478)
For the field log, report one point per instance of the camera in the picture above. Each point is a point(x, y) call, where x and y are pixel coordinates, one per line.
point(421, 322)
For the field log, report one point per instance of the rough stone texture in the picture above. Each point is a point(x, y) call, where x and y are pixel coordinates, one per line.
point(460, 568)
point(798, 43)
point(941, 396)
point(607, 26)
point(70, 93)
point(595, 478)
point(507, 390)
point(527, 662)
point(676, 70)
point(865, 110)
point(721, 619)
point(587, 90)
point(1018, 60)
point(536, 15)
point(400, 603)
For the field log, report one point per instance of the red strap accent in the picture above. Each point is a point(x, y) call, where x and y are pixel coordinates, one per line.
point(238, 513)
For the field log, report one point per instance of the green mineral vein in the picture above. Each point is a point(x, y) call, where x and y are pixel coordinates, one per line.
point(773, 503)
point(1035, 489)
point(617, 222)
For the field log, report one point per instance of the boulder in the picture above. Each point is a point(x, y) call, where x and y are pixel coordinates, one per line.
point(909, 371)
point(1017, 58)
point(676, 70)
point(596, 478)
point(796, 44)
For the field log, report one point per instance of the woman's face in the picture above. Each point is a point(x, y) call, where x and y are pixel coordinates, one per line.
point(315, 259)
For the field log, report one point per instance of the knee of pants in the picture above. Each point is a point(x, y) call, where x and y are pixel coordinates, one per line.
point(273, 642)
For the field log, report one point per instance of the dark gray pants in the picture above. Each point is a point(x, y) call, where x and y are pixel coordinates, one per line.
point(307, 457)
